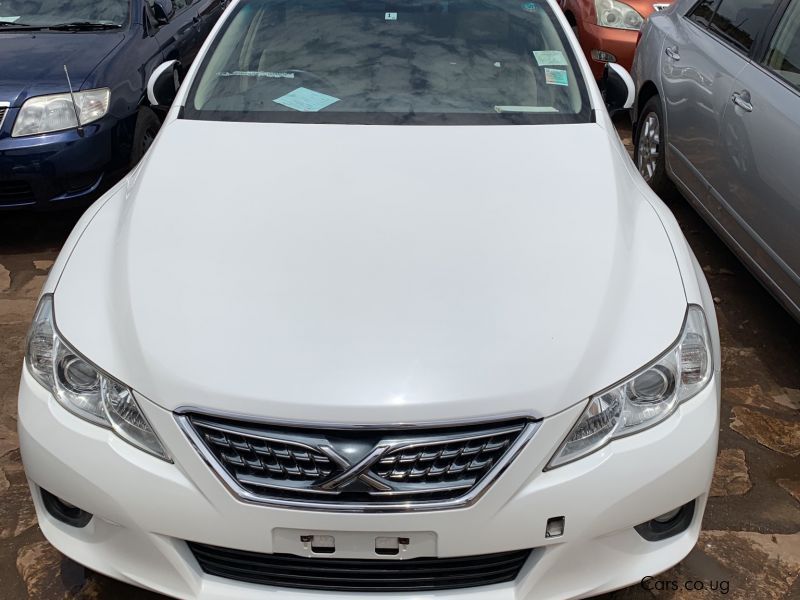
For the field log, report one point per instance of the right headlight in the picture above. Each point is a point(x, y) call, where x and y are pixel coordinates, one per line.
point(45, 114)
point(612, 13)
point(82, 388)
point(647, 397)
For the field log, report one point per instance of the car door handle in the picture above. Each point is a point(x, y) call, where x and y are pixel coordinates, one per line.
point(672, 52)
point(742, 100)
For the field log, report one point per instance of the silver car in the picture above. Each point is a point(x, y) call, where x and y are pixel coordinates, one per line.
point(718, 113)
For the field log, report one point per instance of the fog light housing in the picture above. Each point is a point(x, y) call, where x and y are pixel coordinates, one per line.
point(669, 524)
point(602, 56)
point(63, 511)
point(667, 517)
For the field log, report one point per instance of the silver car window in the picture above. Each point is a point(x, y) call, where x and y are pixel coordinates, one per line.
point(737, 22)
point(783, 53)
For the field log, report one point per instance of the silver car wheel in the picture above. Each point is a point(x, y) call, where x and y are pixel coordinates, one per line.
point(647, 150)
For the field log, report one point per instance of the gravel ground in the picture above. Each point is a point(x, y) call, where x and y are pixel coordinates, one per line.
point(750, 546)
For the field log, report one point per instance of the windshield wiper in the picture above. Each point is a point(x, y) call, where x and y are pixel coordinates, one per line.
point(81, 26)
point(14, 25)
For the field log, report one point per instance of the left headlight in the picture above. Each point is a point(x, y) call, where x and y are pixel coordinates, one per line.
point(618, 15)
point(82, 388)
point(647, 397)
point(44, 114)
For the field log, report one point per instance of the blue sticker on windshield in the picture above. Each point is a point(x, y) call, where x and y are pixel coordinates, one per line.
point(555, 76)
point(306, 100)
point(529, 7)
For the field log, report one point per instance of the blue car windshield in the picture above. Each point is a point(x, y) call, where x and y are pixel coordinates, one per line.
point(46, 13)
point(390, 62)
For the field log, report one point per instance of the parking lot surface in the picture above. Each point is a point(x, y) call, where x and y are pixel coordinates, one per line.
point(750, 546)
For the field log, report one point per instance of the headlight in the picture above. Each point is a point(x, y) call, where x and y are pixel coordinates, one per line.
point(611, 13)
point(82, 388)
point(44, 114)
point(647, 397)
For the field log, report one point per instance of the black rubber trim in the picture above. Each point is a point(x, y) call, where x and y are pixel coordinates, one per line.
point(71, 515)
point(653, 531)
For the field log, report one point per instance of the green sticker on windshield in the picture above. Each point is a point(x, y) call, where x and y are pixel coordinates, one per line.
point(549, 57)
point(556, 76)
point(306, 100)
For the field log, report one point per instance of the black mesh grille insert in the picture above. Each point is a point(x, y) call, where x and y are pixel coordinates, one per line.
point(416, 574)
point(15, 192)
point(354, 466)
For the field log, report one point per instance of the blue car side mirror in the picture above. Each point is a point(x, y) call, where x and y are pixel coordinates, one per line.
point(163, 11)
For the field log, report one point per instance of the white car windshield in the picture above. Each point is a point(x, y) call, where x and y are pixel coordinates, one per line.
point(377, 62)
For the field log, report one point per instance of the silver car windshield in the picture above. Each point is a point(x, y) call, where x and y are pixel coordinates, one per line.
point(365, 61)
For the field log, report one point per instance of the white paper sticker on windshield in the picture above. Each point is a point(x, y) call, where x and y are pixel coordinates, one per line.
point(268, 74)
point(525, 109)
point(556, 76)
point(549, 57)
point(391, 16)
point(9, 19)
point(306, 100)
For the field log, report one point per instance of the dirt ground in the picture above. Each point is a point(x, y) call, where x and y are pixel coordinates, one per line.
point(750, 546)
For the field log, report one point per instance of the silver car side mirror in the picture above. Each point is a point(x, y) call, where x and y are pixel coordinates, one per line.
point(618, 88)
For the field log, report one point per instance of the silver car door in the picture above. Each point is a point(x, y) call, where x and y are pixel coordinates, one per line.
point(761, 136)
point(699, 67)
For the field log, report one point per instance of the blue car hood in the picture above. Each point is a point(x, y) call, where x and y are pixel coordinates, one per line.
point(32, 64)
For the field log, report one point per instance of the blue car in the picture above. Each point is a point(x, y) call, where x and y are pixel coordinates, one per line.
point(67, 134)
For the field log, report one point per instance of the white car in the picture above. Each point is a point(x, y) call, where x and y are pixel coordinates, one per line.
point(385, 308)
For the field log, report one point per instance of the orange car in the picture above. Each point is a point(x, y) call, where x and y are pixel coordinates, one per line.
point(609, 29)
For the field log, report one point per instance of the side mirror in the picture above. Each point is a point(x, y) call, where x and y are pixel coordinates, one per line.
point(162, 87)
point(618, 88)
point(163, 11)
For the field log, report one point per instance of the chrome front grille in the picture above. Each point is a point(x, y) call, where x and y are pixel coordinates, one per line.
point(458, 463)
point(255, 457)
point(3, 111)
point(362, 469)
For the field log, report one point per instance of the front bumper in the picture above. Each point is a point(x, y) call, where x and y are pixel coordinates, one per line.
point(145, 508)
point(60, 168)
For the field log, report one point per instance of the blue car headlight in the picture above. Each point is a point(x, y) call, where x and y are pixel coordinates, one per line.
point(44, 114)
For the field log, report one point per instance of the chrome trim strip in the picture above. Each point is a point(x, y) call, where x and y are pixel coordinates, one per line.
point(247, 496)
point(6, 106)
point(306, 424)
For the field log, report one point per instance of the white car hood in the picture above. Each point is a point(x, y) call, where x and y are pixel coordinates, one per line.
point(374, 274)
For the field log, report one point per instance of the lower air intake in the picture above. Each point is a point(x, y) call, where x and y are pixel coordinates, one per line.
point(348, 575)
